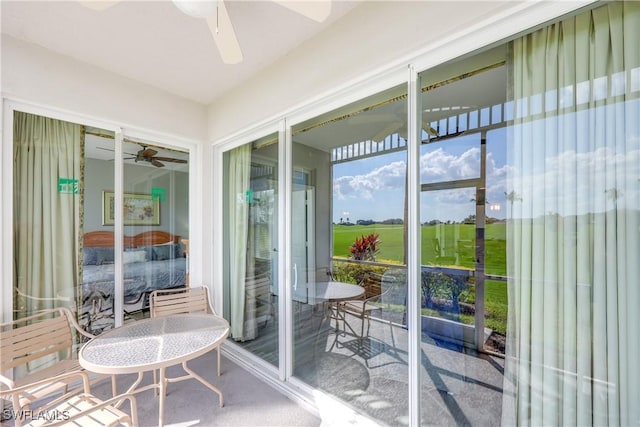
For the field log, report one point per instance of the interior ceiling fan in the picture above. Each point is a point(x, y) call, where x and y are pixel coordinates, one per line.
point(219, 23)
point(148, 155)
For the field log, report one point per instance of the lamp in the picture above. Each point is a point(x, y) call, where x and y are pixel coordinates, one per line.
point(197, 8)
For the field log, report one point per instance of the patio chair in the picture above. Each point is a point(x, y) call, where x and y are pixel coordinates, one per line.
point(165, 302)
point(78, 407)
point(363, 308)
point(44, 340)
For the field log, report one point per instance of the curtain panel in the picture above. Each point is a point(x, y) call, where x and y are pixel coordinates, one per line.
point(47, 163)
point(242, 320)
point(573, 229)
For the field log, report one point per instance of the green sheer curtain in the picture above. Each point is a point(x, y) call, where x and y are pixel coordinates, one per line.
point(573, 235)
point(46, 218)
point(242, 315)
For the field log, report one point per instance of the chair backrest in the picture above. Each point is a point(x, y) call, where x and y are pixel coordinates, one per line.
point(164, 302)
point(34, 337)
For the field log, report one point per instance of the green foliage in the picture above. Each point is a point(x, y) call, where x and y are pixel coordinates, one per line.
point(351, 272)
point(391, 235)
point(438, 284)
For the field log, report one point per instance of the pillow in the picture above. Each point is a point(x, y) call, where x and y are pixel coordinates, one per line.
point(104, 255)
point(164, 251)
point(148, 250)
point(89, 256)
point(129, 257)
point(181, 250)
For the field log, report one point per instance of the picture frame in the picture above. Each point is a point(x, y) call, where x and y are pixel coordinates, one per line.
point(138, 209)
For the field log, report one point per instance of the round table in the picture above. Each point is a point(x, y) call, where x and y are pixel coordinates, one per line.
point(336, 291)
point(155, 344)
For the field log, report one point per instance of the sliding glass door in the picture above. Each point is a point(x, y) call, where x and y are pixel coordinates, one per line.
point(65, 204)
point(155, 222)
point(250, 215)
point(349, 288)
point(48, 190)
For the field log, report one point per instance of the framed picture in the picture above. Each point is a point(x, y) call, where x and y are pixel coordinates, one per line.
point(139, 209)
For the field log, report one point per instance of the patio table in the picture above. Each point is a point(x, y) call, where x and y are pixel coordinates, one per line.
point(155, 344)
point(329, 294)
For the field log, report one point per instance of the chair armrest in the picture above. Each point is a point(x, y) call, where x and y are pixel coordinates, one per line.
point(75, 323)
point(61, 377)
point(7, 382)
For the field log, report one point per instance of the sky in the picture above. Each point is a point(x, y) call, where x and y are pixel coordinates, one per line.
point(554, 169)
point(373, 188)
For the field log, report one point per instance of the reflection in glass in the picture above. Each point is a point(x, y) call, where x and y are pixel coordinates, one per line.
point(250, 268)
point(348, 227)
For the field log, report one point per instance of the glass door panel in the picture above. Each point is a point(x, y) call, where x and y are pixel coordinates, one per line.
point(98, 267)
point(462, 238)
point(499, 200)
point(348, 238)
point(156, 222)
point(48, 191)
point(251, 228)
point(448, 263)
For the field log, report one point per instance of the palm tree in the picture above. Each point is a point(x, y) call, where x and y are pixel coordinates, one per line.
point(614, 194)
point(512, 196)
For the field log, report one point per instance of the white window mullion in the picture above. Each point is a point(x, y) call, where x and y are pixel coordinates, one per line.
point(118, 181)
point(414, 129)
point(285, 307)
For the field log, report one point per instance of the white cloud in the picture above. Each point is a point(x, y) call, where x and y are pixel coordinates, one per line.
point(439, 166)
point(365, 186)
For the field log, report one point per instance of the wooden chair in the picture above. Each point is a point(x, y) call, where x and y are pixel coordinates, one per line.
point(78, 407)
point(363, 308)
point(165, 302)
point(44, 339)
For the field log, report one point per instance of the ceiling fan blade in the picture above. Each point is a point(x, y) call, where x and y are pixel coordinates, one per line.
point(156, 163)
point(98, 5)
point(225, 37)
point(318, 10)
point(112, 150)
point(170, 159)
point(386, 131)
point(147, 152)
point(427, 128)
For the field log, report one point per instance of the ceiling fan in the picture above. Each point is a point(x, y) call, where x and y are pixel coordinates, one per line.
point(219, 23)
point(149, 155)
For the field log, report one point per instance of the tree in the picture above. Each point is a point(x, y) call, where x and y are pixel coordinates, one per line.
point(614, 194)
point(512, 196)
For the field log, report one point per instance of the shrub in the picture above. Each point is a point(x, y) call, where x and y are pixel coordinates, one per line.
point(440, 285)
point(365, 247)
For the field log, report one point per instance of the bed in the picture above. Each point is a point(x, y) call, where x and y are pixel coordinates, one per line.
point(151, 260)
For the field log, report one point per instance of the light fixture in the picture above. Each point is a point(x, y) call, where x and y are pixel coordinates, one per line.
point(197, 8)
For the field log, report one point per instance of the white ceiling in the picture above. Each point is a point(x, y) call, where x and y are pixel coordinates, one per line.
point(153, 42)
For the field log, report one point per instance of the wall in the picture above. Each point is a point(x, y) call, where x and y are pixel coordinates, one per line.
point(35, 75)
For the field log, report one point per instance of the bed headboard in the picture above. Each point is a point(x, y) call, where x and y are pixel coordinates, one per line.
point(146, 238)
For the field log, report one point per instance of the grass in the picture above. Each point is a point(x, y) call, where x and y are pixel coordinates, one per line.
point(392, 243)
point(392, 251)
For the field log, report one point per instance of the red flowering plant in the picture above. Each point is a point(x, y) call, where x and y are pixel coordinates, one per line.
point(365, 248)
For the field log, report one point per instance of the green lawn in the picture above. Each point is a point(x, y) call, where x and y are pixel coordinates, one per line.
point(462, 235)
point(392, 247)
